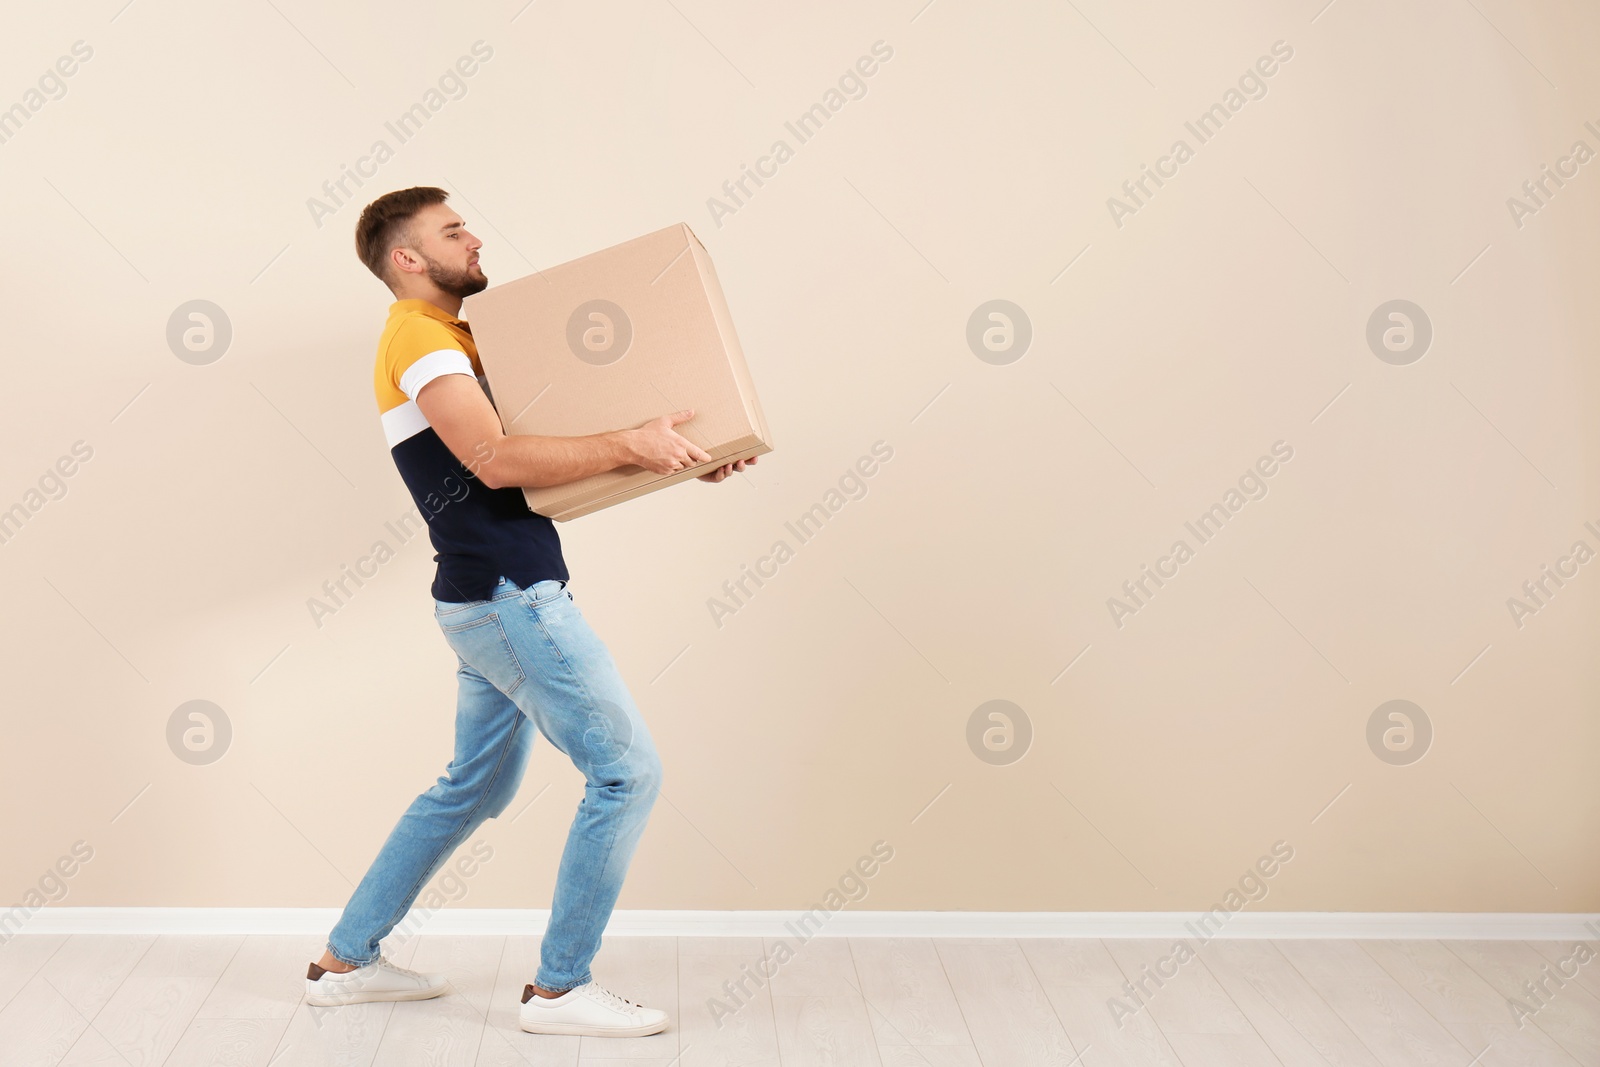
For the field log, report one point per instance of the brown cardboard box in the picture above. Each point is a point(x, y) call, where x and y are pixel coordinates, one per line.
point(610, 341)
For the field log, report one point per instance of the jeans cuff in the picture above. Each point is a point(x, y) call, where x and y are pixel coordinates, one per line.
point(354, 963)
point(558, 988)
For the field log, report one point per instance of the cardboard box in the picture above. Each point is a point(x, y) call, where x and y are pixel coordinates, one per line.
point(610, 341)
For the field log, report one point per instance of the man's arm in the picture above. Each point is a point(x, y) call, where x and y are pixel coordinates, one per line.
point(459, 412)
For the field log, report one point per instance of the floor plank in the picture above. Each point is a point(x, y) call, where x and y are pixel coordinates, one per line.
point(341, 1035)
point(929, 1056)
point(1291, 1017)
point(749, 948)
point(87, 970)
point(39, 1025)
point(719, 1029)
point(1569, 1014)
point(1181, 995)
point(1223, 1050)
point(1006, 1010)
point(230, 1043)
point(143, 1021)
point(21, 958)
point(820, 967)
point(1466, 1005)
point(909, 999)
point(1397, 1029)
point(189, 956)
point(1084, 984)
point(447, 1030)
point(821, 1031)
point(265, 979)
point(1567, 955)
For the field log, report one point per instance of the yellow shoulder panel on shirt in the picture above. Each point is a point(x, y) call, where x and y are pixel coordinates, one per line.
point(415, 329)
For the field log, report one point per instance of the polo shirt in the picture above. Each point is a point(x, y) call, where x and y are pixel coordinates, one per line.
point(479, 534)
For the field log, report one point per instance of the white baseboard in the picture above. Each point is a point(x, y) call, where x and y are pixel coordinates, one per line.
point(1515, 926)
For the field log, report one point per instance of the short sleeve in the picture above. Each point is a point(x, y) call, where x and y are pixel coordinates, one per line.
point(423, 350)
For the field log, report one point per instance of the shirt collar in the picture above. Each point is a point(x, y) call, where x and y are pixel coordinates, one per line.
point(423, 307)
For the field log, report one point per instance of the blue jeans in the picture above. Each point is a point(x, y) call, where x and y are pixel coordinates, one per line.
point(529, 663)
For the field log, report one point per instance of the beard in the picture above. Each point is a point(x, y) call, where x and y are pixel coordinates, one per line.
point(462, 283)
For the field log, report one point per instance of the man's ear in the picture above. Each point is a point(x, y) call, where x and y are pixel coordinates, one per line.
point(404, 262)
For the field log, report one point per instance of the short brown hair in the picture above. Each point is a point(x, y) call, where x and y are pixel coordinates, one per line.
point(383, 224)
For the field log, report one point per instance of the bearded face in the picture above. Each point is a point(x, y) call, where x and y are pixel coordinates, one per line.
point(462, 282)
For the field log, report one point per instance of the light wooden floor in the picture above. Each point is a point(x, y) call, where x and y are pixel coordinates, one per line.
point(214, 1001)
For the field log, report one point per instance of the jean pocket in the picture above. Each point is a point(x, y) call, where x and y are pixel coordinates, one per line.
point(451, 610)
point(539, 602)
point(482, 644)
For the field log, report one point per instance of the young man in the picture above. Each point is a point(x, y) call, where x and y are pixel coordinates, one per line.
point(527, 658)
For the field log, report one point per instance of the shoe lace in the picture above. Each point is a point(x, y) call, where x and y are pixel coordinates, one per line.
point(610, 999)
point(385, 961)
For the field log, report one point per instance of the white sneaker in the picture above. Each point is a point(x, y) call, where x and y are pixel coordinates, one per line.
point(378, 980)
point(589, 1010)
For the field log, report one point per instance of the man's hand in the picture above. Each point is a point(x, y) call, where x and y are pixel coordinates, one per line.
point(657, 447)
point(726, 469)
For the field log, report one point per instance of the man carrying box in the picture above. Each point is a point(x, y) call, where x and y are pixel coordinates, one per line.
point(528, 659)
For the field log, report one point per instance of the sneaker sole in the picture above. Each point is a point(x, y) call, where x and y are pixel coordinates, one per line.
point(580, 1030)
point(334, 1000)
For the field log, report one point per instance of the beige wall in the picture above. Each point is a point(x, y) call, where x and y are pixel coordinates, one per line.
point(1226, 314)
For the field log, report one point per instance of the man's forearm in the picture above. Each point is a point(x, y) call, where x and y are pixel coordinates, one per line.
point(532, 461)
